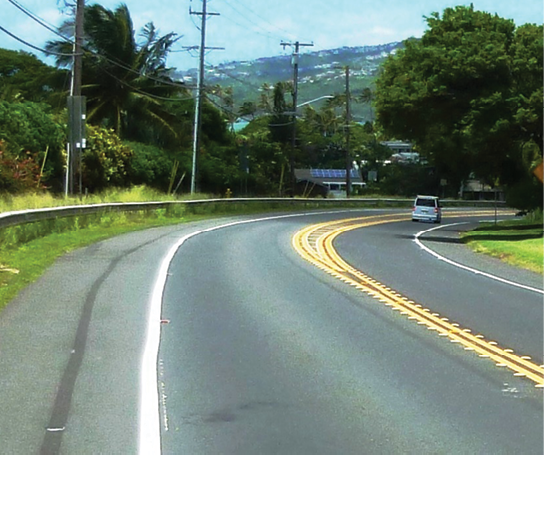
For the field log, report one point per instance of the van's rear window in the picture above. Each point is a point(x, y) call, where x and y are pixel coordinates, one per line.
point(425, 202)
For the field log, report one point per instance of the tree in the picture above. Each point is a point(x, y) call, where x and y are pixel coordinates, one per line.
point(280, 122)
point(106, 161)
point(30, 127)
point(248, 109)
point(125, 82)
point(528, 73)
point(23, 77)
point(466, 94)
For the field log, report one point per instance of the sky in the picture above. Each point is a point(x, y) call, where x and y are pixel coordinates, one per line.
point(250, 29)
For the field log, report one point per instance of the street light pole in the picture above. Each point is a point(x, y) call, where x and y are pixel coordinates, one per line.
point(314, 100)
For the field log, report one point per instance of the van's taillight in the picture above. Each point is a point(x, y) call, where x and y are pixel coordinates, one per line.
point(436, 210)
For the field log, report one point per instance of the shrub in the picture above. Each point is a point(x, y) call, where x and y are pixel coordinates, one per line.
point(18, 173)
point(105, 160)
point(30, 127)
point(150, 165)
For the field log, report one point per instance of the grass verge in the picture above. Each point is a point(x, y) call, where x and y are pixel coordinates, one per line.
point(26, 251)
point(24, 258)
point(517, 242)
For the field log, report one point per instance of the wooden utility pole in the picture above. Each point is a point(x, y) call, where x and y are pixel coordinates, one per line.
point(348, 120)
point(296, 46)
point(76, 107)
point(199, 95)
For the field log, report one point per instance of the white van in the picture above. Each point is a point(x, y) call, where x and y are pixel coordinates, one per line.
point(427, 208)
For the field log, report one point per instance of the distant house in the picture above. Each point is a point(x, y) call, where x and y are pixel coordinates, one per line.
point(326, 182)
point(399, 147)
point(476, 190)
point(403, 153)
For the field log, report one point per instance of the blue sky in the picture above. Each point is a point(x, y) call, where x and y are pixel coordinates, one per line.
point(249, 29)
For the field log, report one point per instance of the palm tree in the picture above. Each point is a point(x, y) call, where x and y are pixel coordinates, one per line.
point(126, 83)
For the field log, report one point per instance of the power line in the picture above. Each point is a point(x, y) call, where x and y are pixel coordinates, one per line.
point(34, 17)
point(59, 54)
point(252, 24)
point(227, 74)
point(86, 50)
point(282, 31)
point(134, 89)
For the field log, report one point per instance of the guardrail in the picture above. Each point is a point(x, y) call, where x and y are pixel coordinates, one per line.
point(32, 216)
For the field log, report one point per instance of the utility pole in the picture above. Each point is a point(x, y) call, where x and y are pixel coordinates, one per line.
point(76, 107)
point(199, 95)
point(348, 120)
point(294, 61)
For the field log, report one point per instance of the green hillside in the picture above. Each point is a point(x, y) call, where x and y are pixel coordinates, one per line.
point(320, 73)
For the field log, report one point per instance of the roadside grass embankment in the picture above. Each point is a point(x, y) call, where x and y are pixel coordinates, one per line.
point(27, 250)
point(518, 242)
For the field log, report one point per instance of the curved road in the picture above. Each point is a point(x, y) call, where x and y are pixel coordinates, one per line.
point(261, 352)
point(265, 354)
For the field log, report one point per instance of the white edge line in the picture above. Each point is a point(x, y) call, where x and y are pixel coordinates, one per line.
point(149, 442)
point(475, 271)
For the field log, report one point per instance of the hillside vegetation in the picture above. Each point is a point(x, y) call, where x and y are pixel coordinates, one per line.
point(320, 73)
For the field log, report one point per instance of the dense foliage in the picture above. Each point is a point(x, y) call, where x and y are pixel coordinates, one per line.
point(469, 94)
point(139, 118)
point(31, 129)
point(23, 77)
point(18, 173)
point(123, 80)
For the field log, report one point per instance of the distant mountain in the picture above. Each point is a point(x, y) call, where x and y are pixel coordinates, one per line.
point(320, 73)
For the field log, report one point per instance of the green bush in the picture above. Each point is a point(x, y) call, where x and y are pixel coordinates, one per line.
point(105, 160)
point(31, 128)
point(150, 166)
point(525, 194)
point(18, 173)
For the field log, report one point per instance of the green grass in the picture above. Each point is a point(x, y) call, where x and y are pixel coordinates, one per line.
point(33, 201)
point(518, 242)
point(27, 250)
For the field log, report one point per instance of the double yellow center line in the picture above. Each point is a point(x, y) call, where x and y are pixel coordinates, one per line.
point(315, 244)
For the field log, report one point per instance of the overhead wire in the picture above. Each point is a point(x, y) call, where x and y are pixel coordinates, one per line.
point(37, 19)
point(262, 18)
point(13, 36)
point(141, 91)
point(282, 33)
point(252, 27)
point(115, 62)
point(228, 74)
point(34, 17)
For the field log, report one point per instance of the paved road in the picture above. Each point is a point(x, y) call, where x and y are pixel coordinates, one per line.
point(263, 353)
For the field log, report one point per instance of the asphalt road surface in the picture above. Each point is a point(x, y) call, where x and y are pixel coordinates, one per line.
point(261, 352)
point(264, 354)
